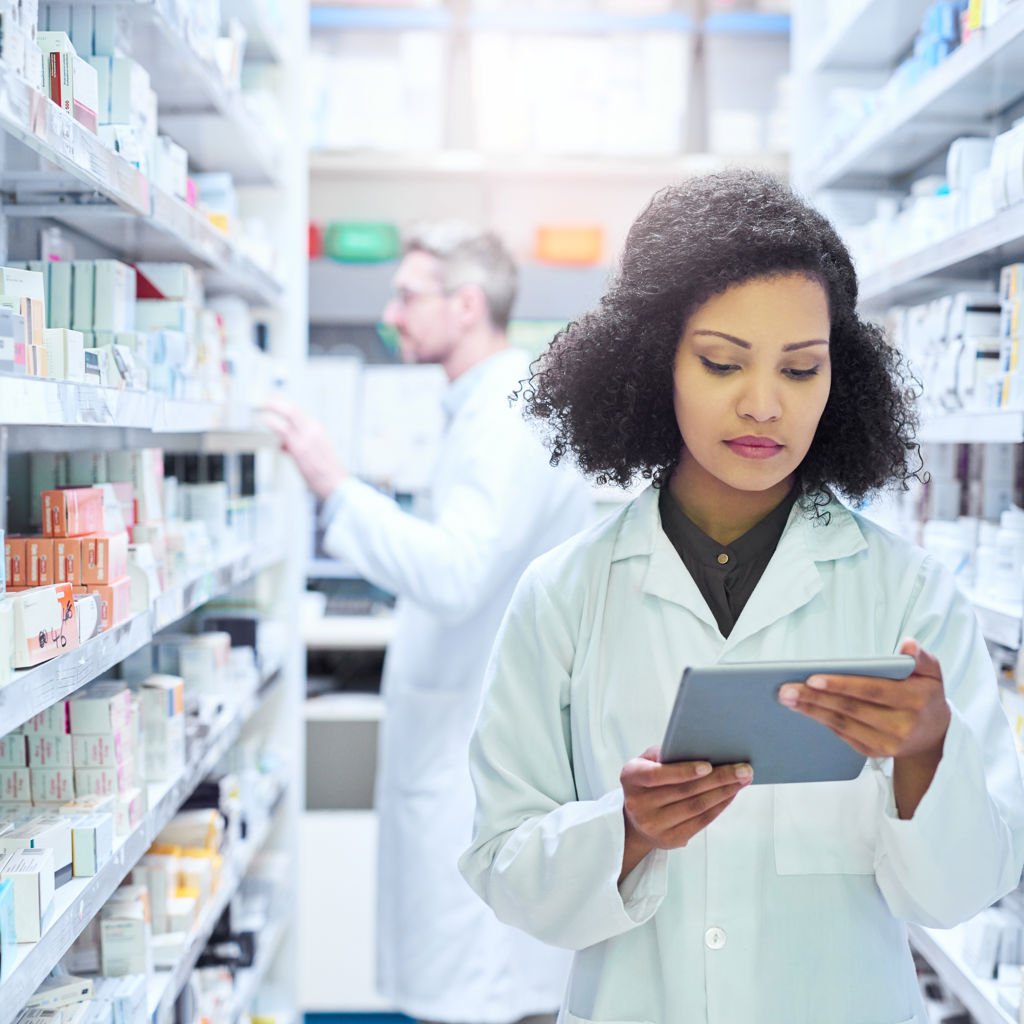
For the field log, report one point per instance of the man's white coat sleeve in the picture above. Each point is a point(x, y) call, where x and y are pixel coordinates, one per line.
point(964, 846)
point(545, 861)
point(484, 514)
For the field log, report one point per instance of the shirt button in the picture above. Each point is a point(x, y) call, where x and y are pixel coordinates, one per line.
point(723, 558)
point(714, 938)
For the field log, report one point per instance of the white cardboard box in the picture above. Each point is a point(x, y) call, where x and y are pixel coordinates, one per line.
point(92, 841)
point(32, 873)
point(46, 832)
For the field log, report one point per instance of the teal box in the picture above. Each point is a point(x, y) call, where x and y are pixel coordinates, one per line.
point(8, 936)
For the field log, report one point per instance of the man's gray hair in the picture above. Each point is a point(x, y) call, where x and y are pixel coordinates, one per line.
point(469, 256)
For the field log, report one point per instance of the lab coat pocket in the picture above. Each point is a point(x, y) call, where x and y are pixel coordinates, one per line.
point(568, 1018)
point(827, 828)
point(427, 735)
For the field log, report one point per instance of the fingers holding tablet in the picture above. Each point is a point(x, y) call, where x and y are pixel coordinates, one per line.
point(877, 717)
point(666, 805)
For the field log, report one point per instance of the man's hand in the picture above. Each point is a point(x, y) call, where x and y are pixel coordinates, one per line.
point(666, 805)
point(306, 441)
point(906, 720)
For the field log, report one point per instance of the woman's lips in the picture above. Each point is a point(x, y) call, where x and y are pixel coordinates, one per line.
point(755, 447)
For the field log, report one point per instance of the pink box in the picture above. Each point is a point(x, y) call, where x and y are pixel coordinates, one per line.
point(131, 808)
point(54, 721)
point(105, 781)
point(50, 752)
point(13, 751)
point(115, 601)
point(105, 750)
point(15, 785)
point(52, 785)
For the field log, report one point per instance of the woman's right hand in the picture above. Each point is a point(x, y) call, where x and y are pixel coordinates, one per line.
point(666, 805)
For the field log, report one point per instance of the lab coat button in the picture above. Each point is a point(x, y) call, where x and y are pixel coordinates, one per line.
point(723, 559)
point(714, 938)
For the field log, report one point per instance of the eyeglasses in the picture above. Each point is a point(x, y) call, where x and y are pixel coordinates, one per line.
point(406, 297)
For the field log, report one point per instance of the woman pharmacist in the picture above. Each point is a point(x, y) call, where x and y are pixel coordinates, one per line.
point(728, 363)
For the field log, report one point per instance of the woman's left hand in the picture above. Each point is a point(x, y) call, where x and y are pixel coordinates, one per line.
point(902, 719)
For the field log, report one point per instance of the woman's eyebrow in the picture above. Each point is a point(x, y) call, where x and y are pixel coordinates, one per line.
point(746, 344)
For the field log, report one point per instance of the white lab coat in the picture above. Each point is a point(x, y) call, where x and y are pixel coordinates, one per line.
point(790, 908)
point(497, 504)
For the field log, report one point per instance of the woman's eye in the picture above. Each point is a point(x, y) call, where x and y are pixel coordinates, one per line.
point(801, 374)
point(721, 368)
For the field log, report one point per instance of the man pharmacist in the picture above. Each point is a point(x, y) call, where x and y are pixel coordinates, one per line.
point(496, 505)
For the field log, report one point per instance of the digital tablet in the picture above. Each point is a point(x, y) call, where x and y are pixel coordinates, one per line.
point(726, 714)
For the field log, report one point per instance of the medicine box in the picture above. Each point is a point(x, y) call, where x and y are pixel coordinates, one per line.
point(54, 786)
point(67, 560)
point(39, 561)
point(50, 751)
point(53, 721)
point(93, 804)
point(114, 296)
point(103, 750)
point(47, 832)
point(66, 351)
point(115, 602)
point(72, 511)
point(83, 280)
point(54, 993)
point(15, 785)
point(14, 559)
point(24, 291)
point(104, 557)
point(13, 751)
point(31, 872)
point(44, 624)
point(105, 708)
point(92, 837)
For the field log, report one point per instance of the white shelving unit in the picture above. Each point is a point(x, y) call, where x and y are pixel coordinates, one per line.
point(968, 94)
point(53, 170)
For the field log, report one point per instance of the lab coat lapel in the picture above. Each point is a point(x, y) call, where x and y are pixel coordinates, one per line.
point(665, 577)
point(793, 578)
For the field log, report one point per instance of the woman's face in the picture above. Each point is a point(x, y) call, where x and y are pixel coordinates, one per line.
point(752, 376)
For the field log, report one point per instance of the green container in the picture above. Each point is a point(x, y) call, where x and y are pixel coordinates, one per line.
point(351, 241)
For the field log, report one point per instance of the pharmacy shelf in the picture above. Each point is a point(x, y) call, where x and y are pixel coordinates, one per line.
point(995, 427)
point(351, 293)
point(78, 902)
point(337, 17)
point(263, 31)
point(555, 22)
point(348, 632)
point(35, 689)
point(944, 951)
point(173, 231)
point(973, 254)
point(344, 707)
point(82, 163)
point(248, 980)
point(1000, 621)
point(196, 107)
point(457, 163)
point(165, 986)
point(33, 402)
point(977, 82)
point(871, 35)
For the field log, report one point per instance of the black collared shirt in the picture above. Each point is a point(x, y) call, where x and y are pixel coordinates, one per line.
point(725, 574)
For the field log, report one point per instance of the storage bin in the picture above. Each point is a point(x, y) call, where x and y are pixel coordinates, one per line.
point(746, 60)
point(573, 245)
point(603, 93)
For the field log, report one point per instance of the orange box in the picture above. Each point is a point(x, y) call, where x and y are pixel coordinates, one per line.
point(17, 570)
point(115, 601)
point(579, 245)
point(67, 560)
point(39, 561)
point(72, 512)
point(104, 557)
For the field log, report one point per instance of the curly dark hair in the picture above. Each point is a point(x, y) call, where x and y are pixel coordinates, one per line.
point(605, 384)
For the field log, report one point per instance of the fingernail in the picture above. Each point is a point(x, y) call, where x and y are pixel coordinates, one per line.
point(788, 696)
point(744, 772)
point(817, 683)
point(703, 769)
